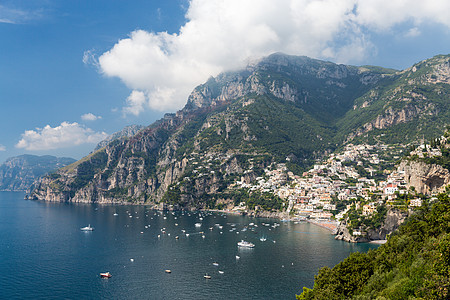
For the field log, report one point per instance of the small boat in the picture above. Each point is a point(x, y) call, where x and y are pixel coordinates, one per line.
point(207, 276)
point(198, 224)
point(245, 244)
point(237, 257)
point(263, 239)
point(105, 275)
point(215, 264)
point(221, 272)
point(168, 271)
point(87, 228)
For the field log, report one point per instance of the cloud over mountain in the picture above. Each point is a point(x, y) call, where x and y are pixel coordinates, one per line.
point(219, 35)
point(62, 136)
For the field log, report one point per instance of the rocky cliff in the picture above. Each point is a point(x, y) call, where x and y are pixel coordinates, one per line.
point(392, 221)
point(425, 178)
point(127, 131)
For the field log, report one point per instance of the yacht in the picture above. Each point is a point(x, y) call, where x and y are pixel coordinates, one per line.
point(87, 228)
point(245, 244)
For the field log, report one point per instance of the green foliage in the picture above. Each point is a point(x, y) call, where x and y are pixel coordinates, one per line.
point(172, 195)
point(414, 263)
point(443, 160)
point(87, 169)
point(427, 105)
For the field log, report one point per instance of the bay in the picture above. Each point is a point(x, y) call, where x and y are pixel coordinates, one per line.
point(45, 255)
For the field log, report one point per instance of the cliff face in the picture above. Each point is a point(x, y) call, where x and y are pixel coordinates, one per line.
point(425, 178)
point(18, 173)
point(392, 221)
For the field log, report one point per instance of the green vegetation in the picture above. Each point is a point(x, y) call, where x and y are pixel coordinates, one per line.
point(414, 263)
point(443, 160)
point(423, 104)
point(172, 195)
point(265, 201)
point(88, 168)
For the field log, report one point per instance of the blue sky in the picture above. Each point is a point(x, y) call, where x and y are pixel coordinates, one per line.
point(72, 72)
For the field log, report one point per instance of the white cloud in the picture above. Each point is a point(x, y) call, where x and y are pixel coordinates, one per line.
point(219, 35)
point(135, 103)
point(2, 148)
point(89, 58)
point(62, 136)
point(90, 117)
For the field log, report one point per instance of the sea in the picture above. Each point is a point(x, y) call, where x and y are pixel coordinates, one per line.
point(45, 255)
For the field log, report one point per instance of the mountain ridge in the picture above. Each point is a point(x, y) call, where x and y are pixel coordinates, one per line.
point(281, 109)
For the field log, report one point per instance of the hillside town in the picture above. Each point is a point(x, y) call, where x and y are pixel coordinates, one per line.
point(357, 176)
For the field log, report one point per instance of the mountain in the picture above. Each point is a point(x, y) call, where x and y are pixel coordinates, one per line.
point(18, 173)
point(127, 131)
point(415, 104)
point(281, 109)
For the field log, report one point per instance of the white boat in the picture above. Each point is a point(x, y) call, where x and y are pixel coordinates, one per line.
point(263, 239)
point(245, 244)
point(215, 264)
point(221, 272)
point(87, 228)
point(115, 214)
point(207, 276)
point(105, 275)
point(198, 224)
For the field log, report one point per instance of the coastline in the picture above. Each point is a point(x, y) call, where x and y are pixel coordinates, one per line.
point(329, 225)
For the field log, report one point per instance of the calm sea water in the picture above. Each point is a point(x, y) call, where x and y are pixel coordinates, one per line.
point(45, 255)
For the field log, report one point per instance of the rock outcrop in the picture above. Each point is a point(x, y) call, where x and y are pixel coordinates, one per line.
point(425, 178)
point(127, 131)
point(392, 221)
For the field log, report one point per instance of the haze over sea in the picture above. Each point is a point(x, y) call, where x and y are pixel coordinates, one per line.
point(45, 255)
